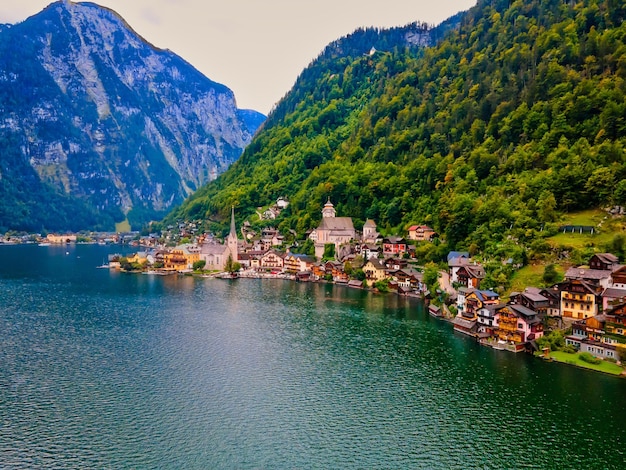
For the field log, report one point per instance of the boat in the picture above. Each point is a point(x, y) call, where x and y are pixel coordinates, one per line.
point(44, 244)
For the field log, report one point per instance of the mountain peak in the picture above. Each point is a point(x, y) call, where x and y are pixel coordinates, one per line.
point(107, 119)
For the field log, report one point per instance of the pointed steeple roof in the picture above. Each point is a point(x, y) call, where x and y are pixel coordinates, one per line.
point(233, 228)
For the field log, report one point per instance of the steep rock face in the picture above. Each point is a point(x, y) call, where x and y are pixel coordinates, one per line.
point(109, 120)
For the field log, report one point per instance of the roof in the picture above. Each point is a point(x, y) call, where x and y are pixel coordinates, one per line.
point(336, 223)
point(475, 271)
point(590, 288)
point(614, 293)
point(532, 290)
point(213, 249)
point(458, 254)
point(376, 263)
point(459, 261)
point(535, 297)
point(521, 310)
point(392, 239)
point(486, 295)
point(369, 223)
point(468, 324)
point(584, 273)
point(608, 258)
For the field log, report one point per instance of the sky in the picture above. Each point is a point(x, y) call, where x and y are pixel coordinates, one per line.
point(257, 48)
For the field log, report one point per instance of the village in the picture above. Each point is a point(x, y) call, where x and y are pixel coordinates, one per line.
point(589, 305)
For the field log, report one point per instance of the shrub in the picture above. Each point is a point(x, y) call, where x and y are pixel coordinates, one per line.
point(199, 265)
point(589, 358)
point(569, 349)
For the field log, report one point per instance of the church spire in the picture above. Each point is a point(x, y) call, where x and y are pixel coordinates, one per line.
point(231, 241)
point(233, 229)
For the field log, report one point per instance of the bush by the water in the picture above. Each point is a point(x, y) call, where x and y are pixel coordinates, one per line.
point(589, 358)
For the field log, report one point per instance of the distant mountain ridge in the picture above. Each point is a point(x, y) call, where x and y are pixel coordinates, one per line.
point(96, 123)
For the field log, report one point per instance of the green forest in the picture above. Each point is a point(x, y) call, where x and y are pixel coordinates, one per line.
point(510, 121)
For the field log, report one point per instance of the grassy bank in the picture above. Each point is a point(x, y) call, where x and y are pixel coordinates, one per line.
point(574, 359)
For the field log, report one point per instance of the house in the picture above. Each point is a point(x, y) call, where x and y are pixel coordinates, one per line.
point(335, 268)
point(460, 298)
point(421, 233)
point(250, 259)
point(369, 251)
point(531, 299)
point(554, 299)
point(579, 299)
point(394, 246)
point(604, 261)
point(466, 321)
point(318, 271)
point(332, 230)
point(618, 278)
point(465, 326)
point(477, 299)
point(408, 279)
point(518, 324)
point(272, 261)
point(611, 296)
point(590, 336)
point(141, 257)
point(271, 213)
point(374, 271)
point(470, 275)
point(291, 263)
point(175, 260)
point(597, 277)
point(487, 320)
point(395, 263)
point(456, 263)
point(296, 263)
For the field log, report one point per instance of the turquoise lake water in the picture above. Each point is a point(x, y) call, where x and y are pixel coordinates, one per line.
point(100, 369)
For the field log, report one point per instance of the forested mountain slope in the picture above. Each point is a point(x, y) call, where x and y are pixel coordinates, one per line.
point(516, 116)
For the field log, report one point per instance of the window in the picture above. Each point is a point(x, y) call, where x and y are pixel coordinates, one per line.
point(520, 326)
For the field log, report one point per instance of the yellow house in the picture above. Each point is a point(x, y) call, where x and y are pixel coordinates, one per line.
point(139, 258)
point(374, 271)
point(579, 299)
point(181, 258)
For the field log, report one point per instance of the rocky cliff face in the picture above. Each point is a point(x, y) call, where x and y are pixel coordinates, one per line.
point(105, 119)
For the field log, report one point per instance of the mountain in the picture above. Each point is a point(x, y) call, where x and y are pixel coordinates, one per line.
point(511, 120)
point(312, 120)
point(96, 124)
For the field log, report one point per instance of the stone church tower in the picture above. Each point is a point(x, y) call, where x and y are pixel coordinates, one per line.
point(231, 241)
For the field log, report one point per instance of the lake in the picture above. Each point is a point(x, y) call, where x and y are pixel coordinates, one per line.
point(102, 369)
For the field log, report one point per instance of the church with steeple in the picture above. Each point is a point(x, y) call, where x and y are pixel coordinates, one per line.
point(332, 230)
point(215, 254)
